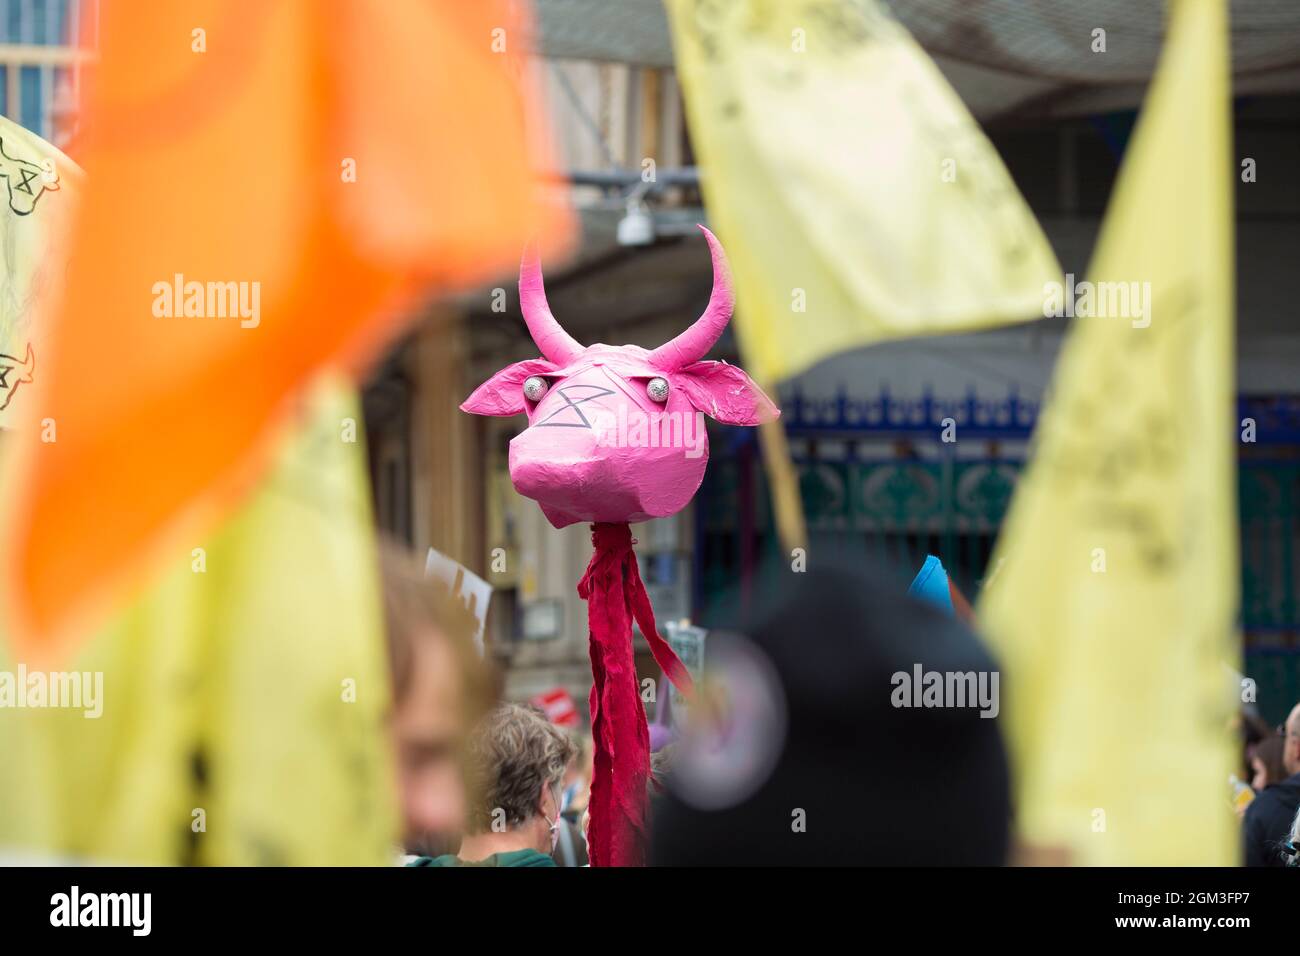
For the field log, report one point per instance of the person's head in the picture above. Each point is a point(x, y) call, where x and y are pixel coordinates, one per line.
point(438, 689)
point(799, 719)
point(1291, 742)
point(516, 763)
point(1266, 766)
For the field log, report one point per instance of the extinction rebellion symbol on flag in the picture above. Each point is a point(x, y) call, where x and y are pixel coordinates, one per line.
point(27, 180)
point(14, 372)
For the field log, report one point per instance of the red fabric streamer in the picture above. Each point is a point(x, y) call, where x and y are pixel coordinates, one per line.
point(612, 588)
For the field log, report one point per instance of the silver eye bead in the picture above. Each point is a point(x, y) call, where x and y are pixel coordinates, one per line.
point(534, 388)
point(657, 389)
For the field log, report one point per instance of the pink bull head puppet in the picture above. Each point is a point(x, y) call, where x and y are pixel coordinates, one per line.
point(615, 435)
point(615, 432)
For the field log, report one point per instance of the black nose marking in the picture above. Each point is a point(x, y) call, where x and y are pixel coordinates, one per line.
point(571, 403)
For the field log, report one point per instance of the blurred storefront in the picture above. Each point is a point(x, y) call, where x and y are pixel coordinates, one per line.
point(639, 276)
point(866, 428)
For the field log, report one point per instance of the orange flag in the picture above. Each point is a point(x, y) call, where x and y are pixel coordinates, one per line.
point(270, 188)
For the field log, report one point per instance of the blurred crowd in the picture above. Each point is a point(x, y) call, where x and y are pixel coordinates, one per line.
point(787, 775)
point(1270, 804)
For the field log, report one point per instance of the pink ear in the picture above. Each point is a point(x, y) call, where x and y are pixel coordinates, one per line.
point(503, 393)
point(725, 393)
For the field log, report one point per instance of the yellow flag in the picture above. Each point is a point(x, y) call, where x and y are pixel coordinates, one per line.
point(235, 714)
point(1114, 585)
point(857, 198)
point(39, 188)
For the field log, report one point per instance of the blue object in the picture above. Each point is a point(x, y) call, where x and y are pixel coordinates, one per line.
point(931, 585)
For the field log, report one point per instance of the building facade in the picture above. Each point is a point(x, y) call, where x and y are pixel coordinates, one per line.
point(46, 46)
point(865, 427)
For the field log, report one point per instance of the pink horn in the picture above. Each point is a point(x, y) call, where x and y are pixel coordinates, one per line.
point(693, 344)
point(552, 341)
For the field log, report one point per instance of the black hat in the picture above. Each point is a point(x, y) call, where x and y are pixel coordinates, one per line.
point(825, 751)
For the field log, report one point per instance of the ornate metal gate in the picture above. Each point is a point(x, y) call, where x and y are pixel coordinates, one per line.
point(876, 475)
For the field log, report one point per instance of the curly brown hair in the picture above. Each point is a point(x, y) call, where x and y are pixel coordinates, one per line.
point(513, 753)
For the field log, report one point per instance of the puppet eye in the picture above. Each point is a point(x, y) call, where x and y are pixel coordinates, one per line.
point(657, 389)
point(534, 388)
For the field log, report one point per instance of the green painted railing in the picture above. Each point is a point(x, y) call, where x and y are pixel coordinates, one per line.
point(897, 511)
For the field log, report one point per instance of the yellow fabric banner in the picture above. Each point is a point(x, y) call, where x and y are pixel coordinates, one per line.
point(235, 715)
point(858, 199)
point(1114, 584)
point(40, 190)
